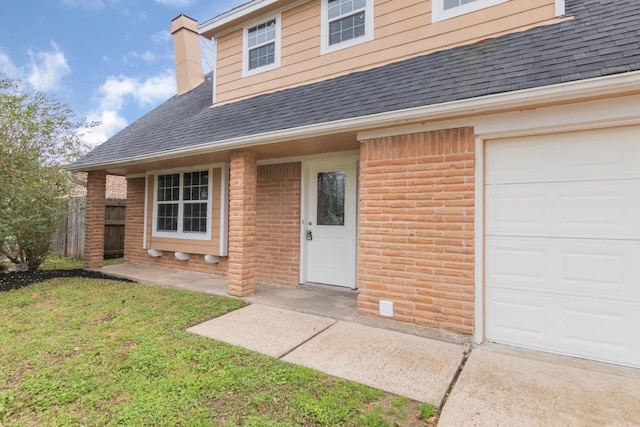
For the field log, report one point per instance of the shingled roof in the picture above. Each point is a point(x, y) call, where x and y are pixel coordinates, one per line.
point(603, 39)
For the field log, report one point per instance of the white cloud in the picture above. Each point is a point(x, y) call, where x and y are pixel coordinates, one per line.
point(87, 4)
point(156, 89)
point(8, 68)
point(146, 56)
point(109, 121)
point(115, 92)
point(175, 3)
point(47, 69)
point(161, 37)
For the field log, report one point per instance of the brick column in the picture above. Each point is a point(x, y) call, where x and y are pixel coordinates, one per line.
point(94, 220)
point(242, 224)
point(134, 220)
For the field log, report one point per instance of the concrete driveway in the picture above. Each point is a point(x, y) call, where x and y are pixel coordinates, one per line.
point(502, 386)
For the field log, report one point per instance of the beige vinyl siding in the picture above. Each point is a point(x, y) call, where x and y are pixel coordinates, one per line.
point(403, 29)
point(202, 247)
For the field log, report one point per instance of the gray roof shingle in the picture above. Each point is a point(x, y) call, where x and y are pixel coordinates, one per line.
point(602, 39)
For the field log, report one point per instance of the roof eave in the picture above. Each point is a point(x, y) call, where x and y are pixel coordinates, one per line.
point(563, 92)
point(234, 14)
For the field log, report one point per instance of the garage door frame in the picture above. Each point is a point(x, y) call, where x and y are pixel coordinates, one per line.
point(578, 117)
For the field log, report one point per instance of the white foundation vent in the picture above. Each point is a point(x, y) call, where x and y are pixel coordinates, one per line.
point(386, 308)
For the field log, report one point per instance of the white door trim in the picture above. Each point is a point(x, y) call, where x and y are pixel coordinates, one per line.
point(479, 307)
point(304, 198)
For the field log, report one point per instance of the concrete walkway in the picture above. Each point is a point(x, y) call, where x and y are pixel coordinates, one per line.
point(498, 385)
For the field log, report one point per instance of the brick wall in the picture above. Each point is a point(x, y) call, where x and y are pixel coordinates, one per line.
point(116, 187)
point(94, 220)
point(416, 228)
point(278, 224)
point(134, 231)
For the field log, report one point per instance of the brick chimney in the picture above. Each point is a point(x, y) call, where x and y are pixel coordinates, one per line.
point(186, 48)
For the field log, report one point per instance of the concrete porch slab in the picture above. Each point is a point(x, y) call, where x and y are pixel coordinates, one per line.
point(151, 275)
point(418, 368)
point(267, 330)
point(507, 387)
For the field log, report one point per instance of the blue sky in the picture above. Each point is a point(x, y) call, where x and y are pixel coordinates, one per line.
point(110, 60)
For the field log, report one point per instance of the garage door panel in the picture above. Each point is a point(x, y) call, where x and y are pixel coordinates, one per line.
point(562, 243)
point(565, 324)
point(596, 154)
point(594, 209)
point(605, 268)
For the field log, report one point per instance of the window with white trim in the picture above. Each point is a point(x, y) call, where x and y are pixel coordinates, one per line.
point(261, 46)
point(346, 23)
point(183, 204)
point(445, 9)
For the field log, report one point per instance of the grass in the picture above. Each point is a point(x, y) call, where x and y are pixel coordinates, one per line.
point(98, 352)
point(427, 411)
point(57, 262)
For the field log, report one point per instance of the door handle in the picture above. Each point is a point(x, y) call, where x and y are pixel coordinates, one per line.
point(309, 235)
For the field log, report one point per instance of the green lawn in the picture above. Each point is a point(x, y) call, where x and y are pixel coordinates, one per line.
point(56, 262)
point(100, 352)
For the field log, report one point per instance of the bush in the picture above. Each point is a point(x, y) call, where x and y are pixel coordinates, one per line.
point(38, 137)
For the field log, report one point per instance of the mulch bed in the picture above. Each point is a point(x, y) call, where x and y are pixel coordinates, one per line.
point(19, 280)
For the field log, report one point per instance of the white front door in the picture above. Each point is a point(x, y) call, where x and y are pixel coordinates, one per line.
point(329, 222)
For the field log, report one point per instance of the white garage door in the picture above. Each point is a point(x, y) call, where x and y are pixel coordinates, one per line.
point(562, 243)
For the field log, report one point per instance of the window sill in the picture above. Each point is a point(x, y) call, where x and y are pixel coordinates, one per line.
point(184, 236)
point(439, 14)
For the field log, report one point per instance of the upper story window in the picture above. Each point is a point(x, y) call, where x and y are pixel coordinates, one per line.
point(346, 23)
point(182, 205)
point(445, 9)
point(261, 47)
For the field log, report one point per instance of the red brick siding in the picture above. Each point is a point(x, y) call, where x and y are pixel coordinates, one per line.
point(116, 187)
point(278, 224)
point(94, 220)
point(416, 229)
point(134, 251)
point(242, 223)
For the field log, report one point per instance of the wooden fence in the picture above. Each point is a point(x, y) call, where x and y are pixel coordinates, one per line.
point(69, 241)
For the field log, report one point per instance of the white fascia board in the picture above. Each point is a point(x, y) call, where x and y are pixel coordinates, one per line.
point(243, 23)
point(560, 8)
point(234, 14)
point(601, 86)
point(582, 115)
point(240, 12)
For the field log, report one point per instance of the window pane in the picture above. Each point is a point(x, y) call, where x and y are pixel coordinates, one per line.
point(359, 4)
point(261, 56)
point(168, 217)
point(168, 187)
point(334, 8)
point(261, 33)
point(449, 4)
point(337, 8)
point(347, 28)
point(346, 7)
point(195, 218)
point(330, 210)
point(198, 189)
